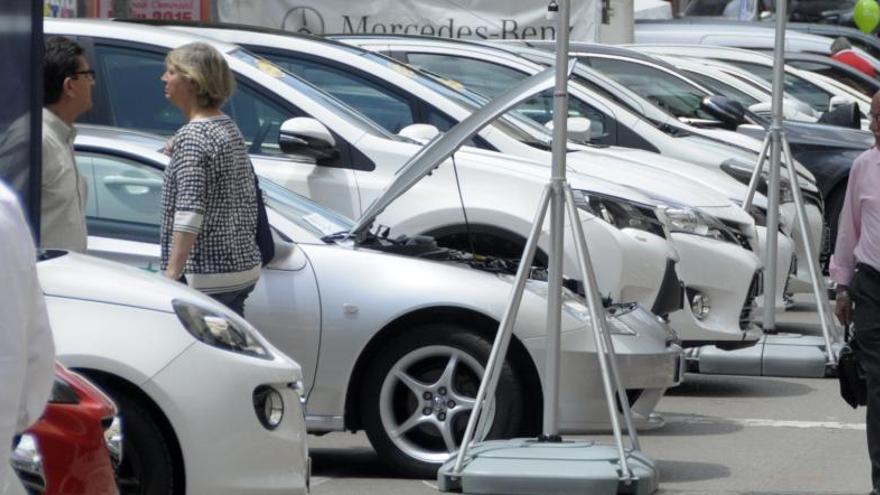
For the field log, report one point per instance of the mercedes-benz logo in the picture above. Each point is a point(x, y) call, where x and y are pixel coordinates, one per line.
point(305, 20)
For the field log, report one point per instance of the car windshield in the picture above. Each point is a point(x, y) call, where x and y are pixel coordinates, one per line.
point(303, 212)
point(325, 100)
point(512, 123)
point(794, 85)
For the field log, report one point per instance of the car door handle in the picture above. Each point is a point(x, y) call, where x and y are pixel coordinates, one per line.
point(132, 185)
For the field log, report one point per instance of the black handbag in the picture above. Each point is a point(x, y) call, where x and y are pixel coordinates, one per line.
point(264, 233)
point(853, 388)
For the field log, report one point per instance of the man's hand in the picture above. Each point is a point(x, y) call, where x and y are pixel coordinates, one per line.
point(843, 309)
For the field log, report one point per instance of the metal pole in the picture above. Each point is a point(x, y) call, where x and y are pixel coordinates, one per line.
point(819, 290)
point(756, 175)
point(775, 134)
point(557, 227)
point(505, 328)
point(604, 348)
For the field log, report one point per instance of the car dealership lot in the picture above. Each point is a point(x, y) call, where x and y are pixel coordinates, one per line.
point(725, 435)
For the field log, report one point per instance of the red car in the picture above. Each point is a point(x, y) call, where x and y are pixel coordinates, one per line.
point(75, 446)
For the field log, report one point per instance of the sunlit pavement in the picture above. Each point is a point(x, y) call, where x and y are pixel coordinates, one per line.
point(724, 435)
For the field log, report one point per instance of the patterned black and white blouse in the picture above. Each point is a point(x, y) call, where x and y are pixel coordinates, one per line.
point(209, 191)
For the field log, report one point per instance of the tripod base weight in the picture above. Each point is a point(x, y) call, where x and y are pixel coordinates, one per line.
point(530, 467)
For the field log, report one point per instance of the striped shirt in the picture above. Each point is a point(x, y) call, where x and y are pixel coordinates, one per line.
point(209, 191)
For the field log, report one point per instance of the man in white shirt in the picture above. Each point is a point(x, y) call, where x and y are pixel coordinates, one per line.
point(27, 352)
point(67, 81)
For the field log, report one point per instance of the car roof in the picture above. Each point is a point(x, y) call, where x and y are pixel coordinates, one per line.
point(752, 35)
point(228, 26)
point(105, 28)
point(137, 142)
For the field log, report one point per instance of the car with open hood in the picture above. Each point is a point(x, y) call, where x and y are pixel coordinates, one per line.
point(392, 333)
point(621, 119)
point(356, 76)
point(476, 194)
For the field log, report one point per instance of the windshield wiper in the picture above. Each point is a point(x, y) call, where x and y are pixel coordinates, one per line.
point(336, 236)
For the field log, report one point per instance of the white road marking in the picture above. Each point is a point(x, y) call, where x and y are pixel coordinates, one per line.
point(318, 480)
point(429, 484)
point(771, 423)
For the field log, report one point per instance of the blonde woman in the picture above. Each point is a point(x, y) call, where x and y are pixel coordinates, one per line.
point(209, 201)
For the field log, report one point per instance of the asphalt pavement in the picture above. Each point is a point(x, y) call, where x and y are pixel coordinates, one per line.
point(724, 435)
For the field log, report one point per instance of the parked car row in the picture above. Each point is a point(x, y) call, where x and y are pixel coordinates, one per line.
point(386, 294)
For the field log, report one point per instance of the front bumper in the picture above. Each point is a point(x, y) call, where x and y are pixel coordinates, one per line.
point(207, 394)
point(800, 283)
point(723, 273)
point(648, 362)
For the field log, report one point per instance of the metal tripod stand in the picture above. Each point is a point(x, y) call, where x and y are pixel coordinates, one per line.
point(558, 199)
point(779, 152)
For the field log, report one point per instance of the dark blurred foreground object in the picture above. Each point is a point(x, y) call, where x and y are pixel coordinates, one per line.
point(851, 375)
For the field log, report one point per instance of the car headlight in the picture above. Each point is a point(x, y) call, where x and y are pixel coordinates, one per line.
point(575, 307)
point(743, 173)
point(218, 330)
point(620, 212)
point(113, 441)
point(686, 220)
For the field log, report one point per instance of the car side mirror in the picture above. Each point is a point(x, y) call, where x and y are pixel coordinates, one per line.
point(578, 129)
point(419, 132)
point(839, 101)
point(847, 115)
point(306, 136)
point(730, 112)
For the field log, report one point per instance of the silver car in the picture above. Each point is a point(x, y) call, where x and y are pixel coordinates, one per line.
point(391, 334)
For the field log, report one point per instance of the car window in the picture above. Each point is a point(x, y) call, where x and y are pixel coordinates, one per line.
point(131, 80)
point(389, 110)
point(120, 189)
point(661, 88)
point(540, 109)
point(838, 74)
point(483, 77)
point(796, 86)
point(722, 88)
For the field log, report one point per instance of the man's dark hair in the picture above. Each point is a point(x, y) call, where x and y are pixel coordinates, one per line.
point(59, 62)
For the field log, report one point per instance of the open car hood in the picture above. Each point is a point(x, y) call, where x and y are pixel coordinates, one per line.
point(445, 144)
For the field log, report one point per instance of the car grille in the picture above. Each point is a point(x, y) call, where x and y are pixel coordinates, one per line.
point(741, 238)
point(755, 289)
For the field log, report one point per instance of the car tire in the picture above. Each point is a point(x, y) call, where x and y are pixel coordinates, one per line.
point(147, 466)
point(418, 393)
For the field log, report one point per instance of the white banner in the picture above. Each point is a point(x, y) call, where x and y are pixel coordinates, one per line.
point(474, 19)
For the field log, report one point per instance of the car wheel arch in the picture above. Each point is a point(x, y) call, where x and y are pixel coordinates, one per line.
point(489, 233)
point(484, 325)
point(108, 382)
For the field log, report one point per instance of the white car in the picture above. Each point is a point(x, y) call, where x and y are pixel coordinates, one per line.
point(806, 86)
point(352, 159)
point(747, 36)
point(207, 405)
point(392, 334)
point(366, 80)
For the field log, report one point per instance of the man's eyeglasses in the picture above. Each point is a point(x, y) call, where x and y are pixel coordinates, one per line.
point(88, 73)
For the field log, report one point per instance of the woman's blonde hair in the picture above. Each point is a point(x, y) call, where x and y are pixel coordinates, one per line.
point(204, 67)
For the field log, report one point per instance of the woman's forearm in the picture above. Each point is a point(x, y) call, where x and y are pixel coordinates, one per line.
point(181, 245)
